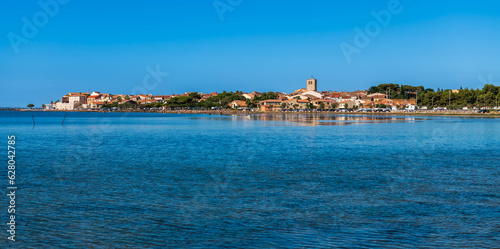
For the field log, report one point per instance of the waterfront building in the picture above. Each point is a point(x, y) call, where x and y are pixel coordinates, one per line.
point(270, 105)
point(238, 104)
point(326, 103)
point(347, 104)
point(161, 98)
point(412, 107)
point(95, 105)
point(71, 101)
point(50, 107)
point(92, 99)
point(368, 104)
point(403, 102)
point(296, 103)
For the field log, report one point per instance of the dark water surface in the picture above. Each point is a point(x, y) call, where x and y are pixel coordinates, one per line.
point(117, 180)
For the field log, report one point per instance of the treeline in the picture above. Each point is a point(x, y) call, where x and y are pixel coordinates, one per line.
point(221, 100)
point(395, 91)
point(486, 97)
point(129, 105)
point(194, 100)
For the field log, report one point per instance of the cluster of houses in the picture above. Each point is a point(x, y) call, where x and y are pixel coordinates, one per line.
point(301, 99)
point(333, 100)
point(309, 97)
point(96, 100)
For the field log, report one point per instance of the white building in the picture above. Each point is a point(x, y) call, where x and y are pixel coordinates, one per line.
point(71, 101)
point(65, 106)
point(50, 106)
point(411, 107)
point(77, 99)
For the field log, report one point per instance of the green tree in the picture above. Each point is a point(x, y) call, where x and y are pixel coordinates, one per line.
point(31, 106)
point(119, 98)
point(195, 95)
point(224, 98)
point(266, 96)
point(250, 103)
point(373, 89)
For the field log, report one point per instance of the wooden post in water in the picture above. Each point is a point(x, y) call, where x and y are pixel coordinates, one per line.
point(33, 117)
point(64, 119)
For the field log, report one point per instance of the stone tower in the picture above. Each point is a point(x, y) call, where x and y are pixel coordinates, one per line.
point(312, 84)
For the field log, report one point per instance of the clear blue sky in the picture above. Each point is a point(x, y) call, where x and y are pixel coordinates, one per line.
point(259, 45)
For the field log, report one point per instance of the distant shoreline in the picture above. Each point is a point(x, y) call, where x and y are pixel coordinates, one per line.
point(233, 112)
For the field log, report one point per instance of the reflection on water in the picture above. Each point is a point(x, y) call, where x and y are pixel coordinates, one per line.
point(318, 119)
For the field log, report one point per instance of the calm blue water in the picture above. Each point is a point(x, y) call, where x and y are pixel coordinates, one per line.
point(168, 180)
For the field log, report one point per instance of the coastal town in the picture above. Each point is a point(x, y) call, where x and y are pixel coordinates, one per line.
point(384, 98)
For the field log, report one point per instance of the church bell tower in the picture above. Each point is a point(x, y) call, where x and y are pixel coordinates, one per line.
point(312, 84)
